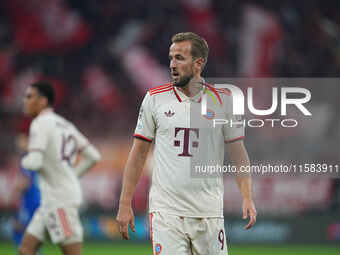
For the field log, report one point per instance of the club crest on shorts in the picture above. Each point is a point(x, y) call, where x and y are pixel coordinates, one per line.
point(158, 248)
point(210, 114)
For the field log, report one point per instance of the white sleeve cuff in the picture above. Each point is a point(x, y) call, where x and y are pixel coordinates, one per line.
point(32, 161)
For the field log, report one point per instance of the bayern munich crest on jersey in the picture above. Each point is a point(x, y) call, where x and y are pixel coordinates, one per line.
point(210, 114)
point(158, 248)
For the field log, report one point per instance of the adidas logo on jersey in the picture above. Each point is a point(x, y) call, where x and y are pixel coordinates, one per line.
point(169, 113)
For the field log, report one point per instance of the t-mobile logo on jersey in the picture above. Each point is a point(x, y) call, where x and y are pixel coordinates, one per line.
point(186, 140)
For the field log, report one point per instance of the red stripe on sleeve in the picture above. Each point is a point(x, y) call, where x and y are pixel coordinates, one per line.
point(142, 137)
point(234, 140)
point(160, 91)
point(224, 91)
point(161, 86)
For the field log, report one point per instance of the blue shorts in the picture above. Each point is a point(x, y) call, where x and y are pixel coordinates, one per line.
point(22, 219)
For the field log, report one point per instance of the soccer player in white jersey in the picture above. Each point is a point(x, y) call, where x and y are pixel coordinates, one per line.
point(186, 213)
point(52, 150)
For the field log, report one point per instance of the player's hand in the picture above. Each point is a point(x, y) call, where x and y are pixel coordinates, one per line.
point(125, 218)
point(248, 209)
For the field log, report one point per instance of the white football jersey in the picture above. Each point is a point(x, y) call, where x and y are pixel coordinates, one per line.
point(59, 141)
point(184, 139)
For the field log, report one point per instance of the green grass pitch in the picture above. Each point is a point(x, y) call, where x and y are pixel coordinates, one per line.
point(129, 248)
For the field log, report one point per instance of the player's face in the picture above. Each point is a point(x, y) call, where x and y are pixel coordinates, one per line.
point(181, 63)
point(32, 102)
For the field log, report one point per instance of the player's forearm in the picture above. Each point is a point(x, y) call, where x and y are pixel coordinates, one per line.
point(133, 170)
point(245, 187)
point(90, 157)
point(239, 157)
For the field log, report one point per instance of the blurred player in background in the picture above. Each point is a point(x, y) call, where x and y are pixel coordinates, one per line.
point(26, 190)
point(53, 146)
point(186, 214)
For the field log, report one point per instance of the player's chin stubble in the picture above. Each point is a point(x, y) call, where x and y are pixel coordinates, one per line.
point(183, 81)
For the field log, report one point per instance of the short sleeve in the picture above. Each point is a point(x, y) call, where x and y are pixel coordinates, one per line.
point(38, 135)
point(145, 128)
point(234, 130)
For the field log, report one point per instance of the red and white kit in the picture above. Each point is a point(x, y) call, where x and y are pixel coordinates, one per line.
point(59, 141)
point(186, 211)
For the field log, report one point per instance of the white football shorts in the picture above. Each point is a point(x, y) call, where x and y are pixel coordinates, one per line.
point(62, 224)
point(171, 234)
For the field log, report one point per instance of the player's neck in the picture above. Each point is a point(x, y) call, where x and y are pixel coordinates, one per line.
point(44, 110)
point(193, 87)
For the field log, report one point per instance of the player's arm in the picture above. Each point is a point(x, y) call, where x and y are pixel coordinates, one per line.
point(239, 157)
point(90, 156)
point(37, 143)
point(89, 153)
point(144, 134)
point(132, 173)
point(33, 160)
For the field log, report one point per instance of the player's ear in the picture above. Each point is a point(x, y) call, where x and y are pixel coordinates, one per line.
point(199, 63)
point(43, 102)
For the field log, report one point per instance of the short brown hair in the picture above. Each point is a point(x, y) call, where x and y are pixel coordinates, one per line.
point(199, 46)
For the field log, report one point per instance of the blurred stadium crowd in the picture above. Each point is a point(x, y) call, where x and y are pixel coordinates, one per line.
point(102, 56)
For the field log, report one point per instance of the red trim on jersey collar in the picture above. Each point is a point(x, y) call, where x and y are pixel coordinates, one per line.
point(209, 86)
point(178, 97)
